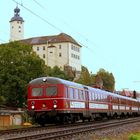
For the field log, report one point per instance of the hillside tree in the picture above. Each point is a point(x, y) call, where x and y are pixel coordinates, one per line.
point(18, 65)
point(108, 80)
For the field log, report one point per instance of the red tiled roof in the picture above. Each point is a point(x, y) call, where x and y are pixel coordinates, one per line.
point(62, 37)
point(127, 93)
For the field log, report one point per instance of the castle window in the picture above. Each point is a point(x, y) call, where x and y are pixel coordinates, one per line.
point(43, 55)
point(37, 48)
point(43, 47)
point(19, 27)
point(59, 46)
point(72, 55)
point(78, 50)
point(60, 54)
point(72, 47)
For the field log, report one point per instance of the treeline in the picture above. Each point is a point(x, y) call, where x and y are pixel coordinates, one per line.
point(102, 79)
point(19, 65)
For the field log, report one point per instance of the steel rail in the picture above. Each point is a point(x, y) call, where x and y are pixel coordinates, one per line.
point(70, 131)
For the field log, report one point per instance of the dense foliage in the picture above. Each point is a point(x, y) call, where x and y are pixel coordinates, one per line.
point(85, 77)
point(108, 80)
point(104, 78)
point(18, 65)
point(134, 137)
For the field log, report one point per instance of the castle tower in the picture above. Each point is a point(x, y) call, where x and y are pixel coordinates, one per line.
point(16, 26)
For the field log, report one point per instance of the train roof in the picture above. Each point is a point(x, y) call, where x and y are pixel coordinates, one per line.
point(54, 80)
point(110, 93)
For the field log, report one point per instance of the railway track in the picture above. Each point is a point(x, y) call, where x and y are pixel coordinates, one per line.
point(63, 132)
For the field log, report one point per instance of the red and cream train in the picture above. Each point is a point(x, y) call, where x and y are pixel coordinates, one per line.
point(54, 100)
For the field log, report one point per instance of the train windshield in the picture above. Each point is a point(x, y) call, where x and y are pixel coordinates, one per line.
point(37, 92)
point(51, 91)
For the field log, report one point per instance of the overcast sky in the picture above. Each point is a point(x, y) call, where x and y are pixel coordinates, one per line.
point(108, 29)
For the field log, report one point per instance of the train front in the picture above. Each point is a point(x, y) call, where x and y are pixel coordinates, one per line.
point(42, 100)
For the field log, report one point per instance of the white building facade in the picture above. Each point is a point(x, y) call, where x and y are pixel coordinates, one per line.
point(59, 50)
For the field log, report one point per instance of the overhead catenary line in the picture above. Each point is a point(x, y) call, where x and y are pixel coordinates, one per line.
point(83, 36)
point(52, 25)
point(61, 20)
point(39, 4)
point(38, 16)
point(43, 19)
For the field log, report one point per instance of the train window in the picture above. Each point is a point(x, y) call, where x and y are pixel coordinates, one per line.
point(90, 95)
point(51, 91)
point(113, 99)
point(76, 93)
point(37, 92)
point(93, 96)
point(71, 93)
point(116, 100)
point(103, 97)
point(82, 95)
point(66, 92)
point(99, 97)
point(96, 96)
point(106, 98)
point(123, 101)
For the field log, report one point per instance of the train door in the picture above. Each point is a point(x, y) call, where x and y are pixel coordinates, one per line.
point(87, 102)
point(110, 103)
point(119, 106)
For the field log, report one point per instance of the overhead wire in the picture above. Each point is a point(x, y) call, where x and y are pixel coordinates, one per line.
point(39, 4)
point(83, 36)
point(52, 25)
point(43, 19)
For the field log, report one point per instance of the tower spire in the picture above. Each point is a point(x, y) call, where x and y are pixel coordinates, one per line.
point(16, 16)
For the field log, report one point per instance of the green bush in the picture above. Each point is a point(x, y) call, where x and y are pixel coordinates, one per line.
point(134, 137)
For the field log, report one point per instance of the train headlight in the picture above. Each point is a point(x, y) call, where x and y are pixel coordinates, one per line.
point(44, 79)
point(55, 106)
point(33, 107)
point(43, 105)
